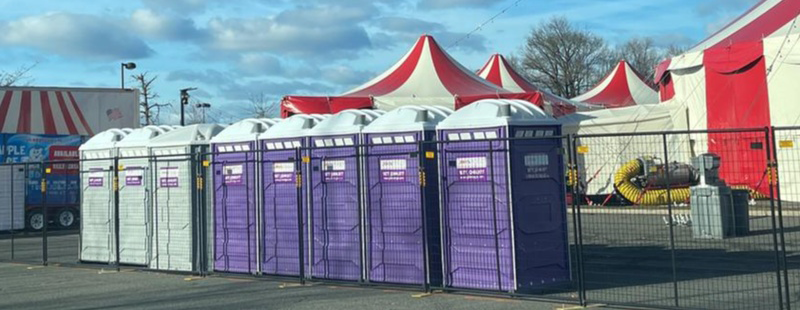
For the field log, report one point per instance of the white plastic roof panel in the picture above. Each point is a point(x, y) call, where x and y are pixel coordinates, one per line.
point(244, 131)
point(142, 136)
point(409, 118)
point(190, 135)
point(106, 139)
point(298, 125)
point(345, 122)
point(497, 112)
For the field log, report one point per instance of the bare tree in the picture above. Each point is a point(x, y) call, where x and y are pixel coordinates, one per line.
point(259, 106)
point(562, 58)
point(17, 76)
point(197, 115)
point(149, 109)
point(644, 56)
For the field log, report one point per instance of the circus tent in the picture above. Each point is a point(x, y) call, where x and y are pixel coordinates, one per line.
point(622, 87)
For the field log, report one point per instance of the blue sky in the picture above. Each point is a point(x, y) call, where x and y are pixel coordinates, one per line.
point(232, 49)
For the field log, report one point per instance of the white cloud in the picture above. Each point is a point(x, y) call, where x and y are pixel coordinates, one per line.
point(165, 27)
point(446, 4)
point(259, 64)
point(76, 35)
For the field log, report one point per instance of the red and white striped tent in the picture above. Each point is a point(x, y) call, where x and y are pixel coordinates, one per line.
point(425, 75)
point(744, 76)
point(622, 87)
point(66, 111)
point(499, 72)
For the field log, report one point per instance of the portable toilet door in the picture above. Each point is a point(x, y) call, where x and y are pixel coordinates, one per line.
point(235, 176)
point(135, 195)
point(336, 202)
point(503, 198)
point(402, 197)
point(283, 194)
point(12, 197)
point(97, 196)
point(181, 222)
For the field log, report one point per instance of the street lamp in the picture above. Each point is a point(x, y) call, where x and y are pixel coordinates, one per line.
point(185, 101)
point(203, 106)
point(123, 66)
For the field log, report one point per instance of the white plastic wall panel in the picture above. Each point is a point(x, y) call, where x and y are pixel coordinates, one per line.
point(135, 188)
point(12, 198)
point(97, 207)
point(173, 243)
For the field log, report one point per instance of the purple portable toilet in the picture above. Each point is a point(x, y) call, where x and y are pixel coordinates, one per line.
point(336, 193)
point(235, 207)
point(504, 224)
point(281, 149)
point(402, 219)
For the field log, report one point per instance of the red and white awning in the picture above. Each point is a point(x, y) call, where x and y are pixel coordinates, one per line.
point(42, 112)
point(622, 87)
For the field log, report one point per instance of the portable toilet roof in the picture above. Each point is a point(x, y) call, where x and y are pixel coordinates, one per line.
point(298, 125)
point(345, 122)
point(497, 112)
point(142, 136)
point(190, 135)
point(409, 118)
point(247, 130)
point(106, 139)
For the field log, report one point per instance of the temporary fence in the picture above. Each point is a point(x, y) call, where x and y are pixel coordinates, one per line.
point(478, 214)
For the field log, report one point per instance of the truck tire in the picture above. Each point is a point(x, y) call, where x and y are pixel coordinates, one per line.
point(35, 220)
point(66, 218)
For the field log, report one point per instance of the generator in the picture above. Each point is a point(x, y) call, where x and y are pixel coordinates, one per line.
point(715, 212)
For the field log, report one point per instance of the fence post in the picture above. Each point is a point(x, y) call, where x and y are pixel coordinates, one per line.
point(115, 188)
point(45, 223)
point(778, 231)
point(576, 217)
point(298, 164)
point(13, 215)
point(423, 180)
point(669, 215)
point(494, 216)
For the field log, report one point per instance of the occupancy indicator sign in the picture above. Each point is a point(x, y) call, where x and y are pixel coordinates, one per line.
point(233, 174)
point(283, 172)
point(471, 168)
point(168, 176)
point(133, 176)
point(96, 177)
point(333, 170)
point(393, 170)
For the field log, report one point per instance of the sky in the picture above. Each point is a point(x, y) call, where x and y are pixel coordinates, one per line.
point(234, 49)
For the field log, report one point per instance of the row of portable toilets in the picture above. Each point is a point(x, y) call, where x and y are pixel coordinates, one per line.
point(478, 209)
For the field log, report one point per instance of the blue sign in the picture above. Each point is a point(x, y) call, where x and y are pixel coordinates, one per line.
point(63, 182)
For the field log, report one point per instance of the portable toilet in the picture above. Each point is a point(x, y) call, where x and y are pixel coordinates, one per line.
point(402, 203)
point(12, 197)
point(504, 225)
point(97, 196)
point(235, 174)
point(280, 147)
point(336, 187)
point(135, 194)
point(180, 239)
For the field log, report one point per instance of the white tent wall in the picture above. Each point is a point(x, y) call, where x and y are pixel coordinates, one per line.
point(12, 197)
point(782, 82)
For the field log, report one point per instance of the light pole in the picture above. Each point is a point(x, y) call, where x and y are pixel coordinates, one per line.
point(203, 106)
point(123, 66)
point(185, 101)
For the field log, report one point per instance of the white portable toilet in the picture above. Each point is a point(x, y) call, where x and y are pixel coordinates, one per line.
point(236, 199)
point(335, 207)
point(135, 194)
point(402, 204)
point(180, 222)
point(97, 196)
point(280, 231)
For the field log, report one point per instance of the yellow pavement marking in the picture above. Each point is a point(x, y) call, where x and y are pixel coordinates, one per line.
point(192, 278)
point(580, 307)
point(421, 295)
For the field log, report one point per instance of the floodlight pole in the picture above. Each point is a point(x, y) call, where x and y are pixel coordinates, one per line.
point(185, 101)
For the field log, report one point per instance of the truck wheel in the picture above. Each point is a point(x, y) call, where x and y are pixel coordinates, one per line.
point(35, 220)
point(66, 218)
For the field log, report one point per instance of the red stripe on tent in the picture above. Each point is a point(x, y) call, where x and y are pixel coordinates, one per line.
point(454, 79)
point(65, 112)
point(4, 107)
point(666, 89)
point(80, 114)
point(730, 24)
point(494, 71)
point(617, 93)
point(397, 78)
point(523, 83)
point(737, 97)
point(47, 114)
point(24, 121)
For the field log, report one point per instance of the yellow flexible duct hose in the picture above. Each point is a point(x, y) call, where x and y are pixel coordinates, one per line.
point(754, 194)
point(636, 195)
